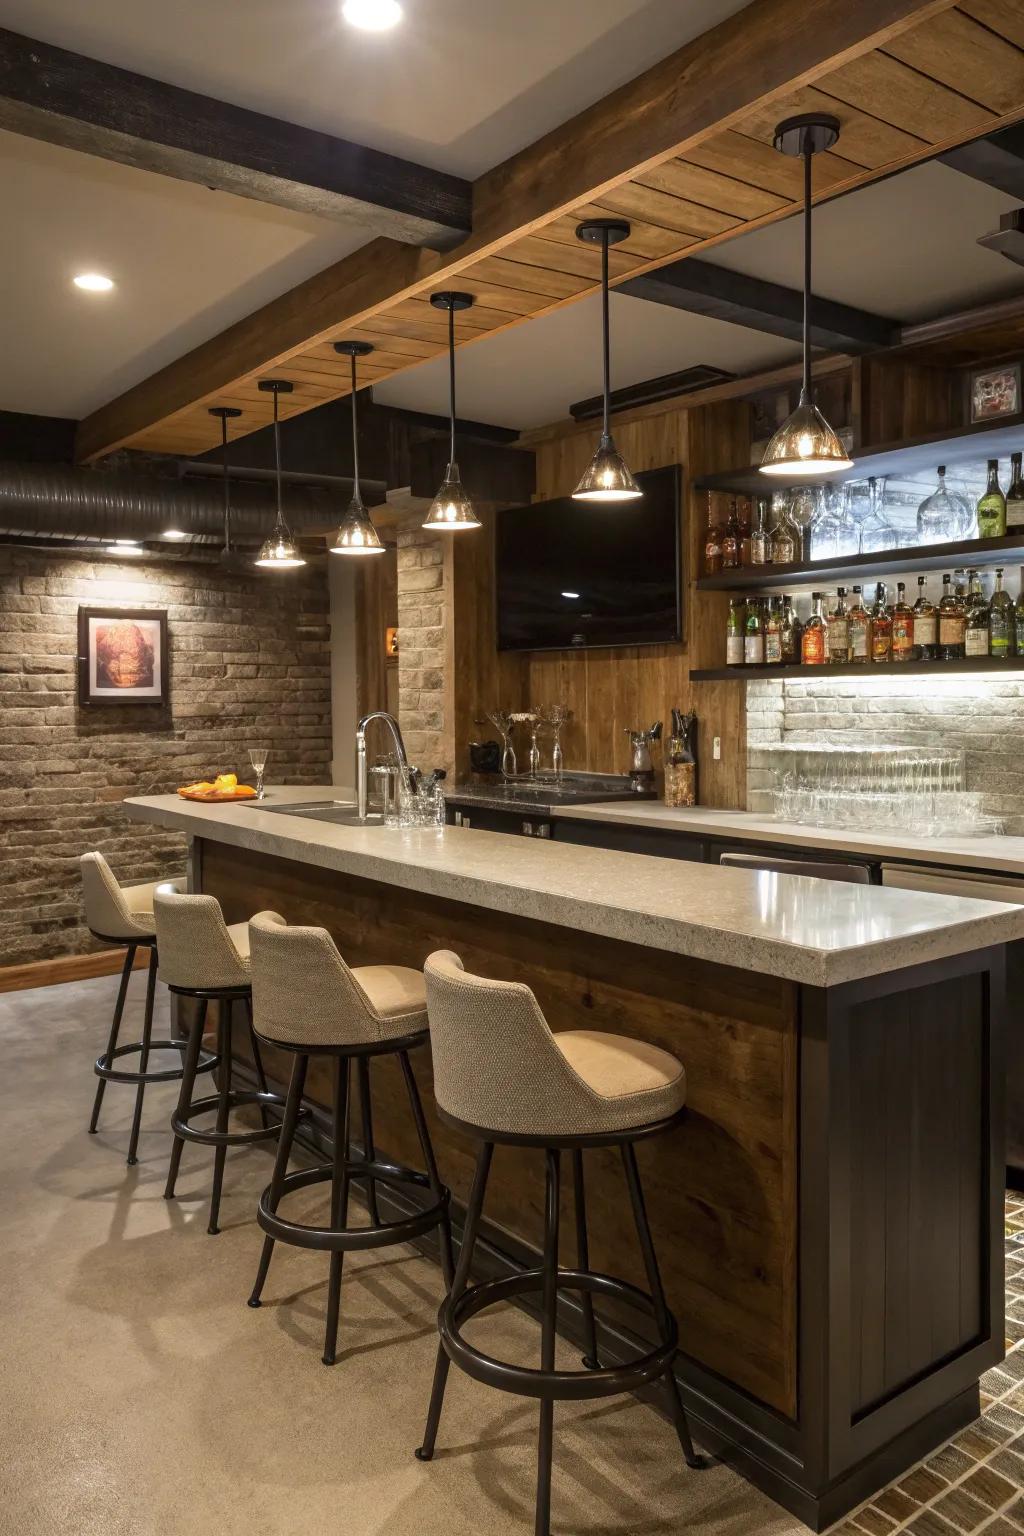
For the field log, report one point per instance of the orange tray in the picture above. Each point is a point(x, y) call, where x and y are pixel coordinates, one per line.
point(214, 796)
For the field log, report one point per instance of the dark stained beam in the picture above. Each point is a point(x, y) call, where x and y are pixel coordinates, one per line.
point(64, 98)
point(701, 288)
point(997, 161)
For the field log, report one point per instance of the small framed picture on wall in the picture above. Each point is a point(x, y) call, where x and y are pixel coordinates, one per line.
point(122, 656)
point(995, 392)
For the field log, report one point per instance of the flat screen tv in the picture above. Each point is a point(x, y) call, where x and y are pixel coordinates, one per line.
point(572, 575)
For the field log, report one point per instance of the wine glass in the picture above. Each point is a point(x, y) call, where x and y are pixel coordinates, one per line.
point(555, 716)
point(803, 509)
point(258, 758)
point(504, 722)
point(531, 719)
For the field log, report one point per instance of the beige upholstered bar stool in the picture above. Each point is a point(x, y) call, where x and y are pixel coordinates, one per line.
point(308, 1001)
point(123, 914)
point(502, 1077)
point(203, 959)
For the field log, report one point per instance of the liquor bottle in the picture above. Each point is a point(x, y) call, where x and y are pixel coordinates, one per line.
point(731, 540)
point(760, 544)
point(902, 627)
point(712, 541)
point(992, 506)
point(839, 630)
point(1001, 621)
point(753, 635)
point(813, 642)
point(783, 542)
point(860, 630)
point(976, 637)
point(881, 626)
point(1015, 497)
point(773, 634)
point(952, 623)
point(792, 631)
point(681, 760)
point(1018, 618)
point(734, 633)
point(926, 618)
point(743, 519)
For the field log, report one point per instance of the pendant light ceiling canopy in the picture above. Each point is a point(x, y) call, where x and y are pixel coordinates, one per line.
point(356, 534)
point(608, 477)
point(452, 509)
point(280, 552)
point(805, 444)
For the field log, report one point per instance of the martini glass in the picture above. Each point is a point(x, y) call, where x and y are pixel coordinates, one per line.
point(258, 758)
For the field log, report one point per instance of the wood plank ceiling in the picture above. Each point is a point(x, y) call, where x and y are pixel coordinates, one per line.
point(955, 74)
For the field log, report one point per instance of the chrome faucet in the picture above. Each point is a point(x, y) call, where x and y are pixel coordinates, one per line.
point(362, 790)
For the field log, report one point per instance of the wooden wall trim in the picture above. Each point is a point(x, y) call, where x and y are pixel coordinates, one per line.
point(62, 968)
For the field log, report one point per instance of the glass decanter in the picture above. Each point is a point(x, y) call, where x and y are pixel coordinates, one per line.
point(876, 532)
point(939, 517)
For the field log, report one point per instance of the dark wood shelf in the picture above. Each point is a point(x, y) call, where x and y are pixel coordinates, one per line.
point(986, 440)
point(928, 557)
point(970, 664)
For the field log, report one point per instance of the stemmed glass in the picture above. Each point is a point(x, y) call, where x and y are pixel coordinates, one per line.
point(504, 722)
point(803, 509)
point(555, 717)
point(531, 718)
point(258, 758)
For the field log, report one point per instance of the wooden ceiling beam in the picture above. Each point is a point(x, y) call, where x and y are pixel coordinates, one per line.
point(704, 90)
point(80, 103)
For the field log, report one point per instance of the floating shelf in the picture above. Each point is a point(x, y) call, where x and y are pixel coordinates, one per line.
point(986, 440)
point(989, 665)
point(927, 557)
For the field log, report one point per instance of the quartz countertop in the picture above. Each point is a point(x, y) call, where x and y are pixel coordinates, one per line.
point(821, 933)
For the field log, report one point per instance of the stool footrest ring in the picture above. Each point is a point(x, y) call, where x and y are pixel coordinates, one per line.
point(349, 1239)
point(570, 1386)
point(236, 1099)
point(207, 1062)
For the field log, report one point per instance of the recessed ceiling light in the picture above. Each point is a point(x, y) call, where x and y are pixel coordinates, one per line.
point(94, 282)
point(372, 15)
point(570, 594)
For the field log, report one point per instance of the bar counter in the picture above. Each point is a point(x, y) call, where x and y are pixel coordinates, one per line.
point(829, 1215)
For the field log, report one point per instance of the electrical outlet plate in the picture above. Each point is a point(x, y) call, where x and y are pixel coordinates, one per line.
point(716, 749)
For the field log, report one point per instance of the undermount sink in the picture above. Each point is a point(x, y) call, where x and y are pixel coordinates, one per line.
point(339, 812)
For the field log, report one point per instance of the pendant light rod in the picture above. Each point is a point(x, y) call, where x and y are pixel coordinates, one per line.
point(606, 233)
point(225, 413)
point(277, 387)
point(805, 392)
point(352, 350)
point(452, 508)
point(357, 535)
point(451, 384)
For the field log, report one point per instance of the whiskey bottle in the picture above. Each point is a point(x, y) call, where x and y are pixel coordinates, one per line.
point(902, 627)
point(773, 634)
point(951, 623)
point(1001, 621)
point(976, 621)
point(792, 630)
point(731, 540)
point(744, 513)
point(925, 624)
point(1015, 497)
point(881, 626)
point(839, 631)
point(734, 633)
point(992, 506)
point(760, 544)
point(783, 541)
point(712, 541)
point(753, 635)
point(860, 630)
point(814, 639)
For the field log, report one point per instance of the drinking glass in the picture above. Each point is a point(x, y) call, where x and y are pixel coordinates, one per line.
point(258, 758)
point(803, 509)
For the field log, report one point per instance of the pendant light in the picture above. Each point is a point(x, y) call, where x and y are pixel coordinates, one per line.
point(356, 534)
point(451, 508)
point(280, 552)
point(805, 444)
point(608, 477)
point(224, 414)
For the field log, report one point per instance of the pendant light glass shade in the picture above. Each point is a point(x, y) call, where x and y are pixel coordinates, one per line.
point(280, 552)
point(452, 508)
point(805, 444)
point(356, 534)
point(608, 477)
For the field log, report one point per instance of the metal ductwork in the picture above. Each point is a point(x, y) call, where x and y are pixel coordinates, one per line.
point(87, 507)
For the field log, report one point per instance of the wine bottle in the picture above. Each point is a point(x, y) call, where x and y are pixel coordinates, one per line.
point(712, 541)
point(1015, 497)
point(753, 635)
point(976, 623)
point(992, 506)
point(734, 633)
point(1001, 621)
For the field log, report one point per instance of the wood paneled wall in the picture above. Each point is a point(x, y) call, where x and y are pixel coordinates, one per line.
point(377, 610)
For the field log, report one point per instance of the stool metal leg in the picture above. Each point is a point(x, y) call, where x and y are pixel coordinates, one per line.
point(223, 1109)
point(469, 1235)
point(427, 1148)
point(590, 1359)
point(549, 1303)
point(339, 1198)
point(369, 1152)
point(643, 1229)
point(147, 1033)
point(284, 1146)
point(188, 1081)
point(122, 993)
point(257, 1057)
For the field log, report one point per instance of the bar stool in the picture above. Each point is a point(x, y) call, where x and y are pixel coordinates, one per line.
point(203, 959)
point(123, 914)
point(308, 1001)
point(503, 1078)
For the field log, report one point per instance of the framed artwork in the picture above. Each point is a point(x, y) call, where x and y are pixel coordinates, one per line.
point(122, 656)
point(391, 643)
point(995, 392)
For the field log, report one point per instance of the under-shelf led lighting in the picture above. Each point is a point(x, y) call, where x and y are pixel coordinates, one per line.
point(570, 594)
point(93, 282)
point(372, 15)
point(124, 547)
point(174, 533)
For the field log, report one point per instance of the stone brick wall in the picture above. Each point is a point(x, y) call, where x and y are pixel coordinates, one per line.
point(985, 717)
point(422, 651)
point(249, 663)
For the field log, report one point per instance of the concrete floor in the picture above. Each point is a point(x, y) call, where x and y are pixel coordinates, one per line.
point(142, 1397)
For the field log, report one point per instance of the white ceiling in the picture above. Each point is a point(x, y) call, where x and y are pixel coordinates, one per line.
point(459, 85)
